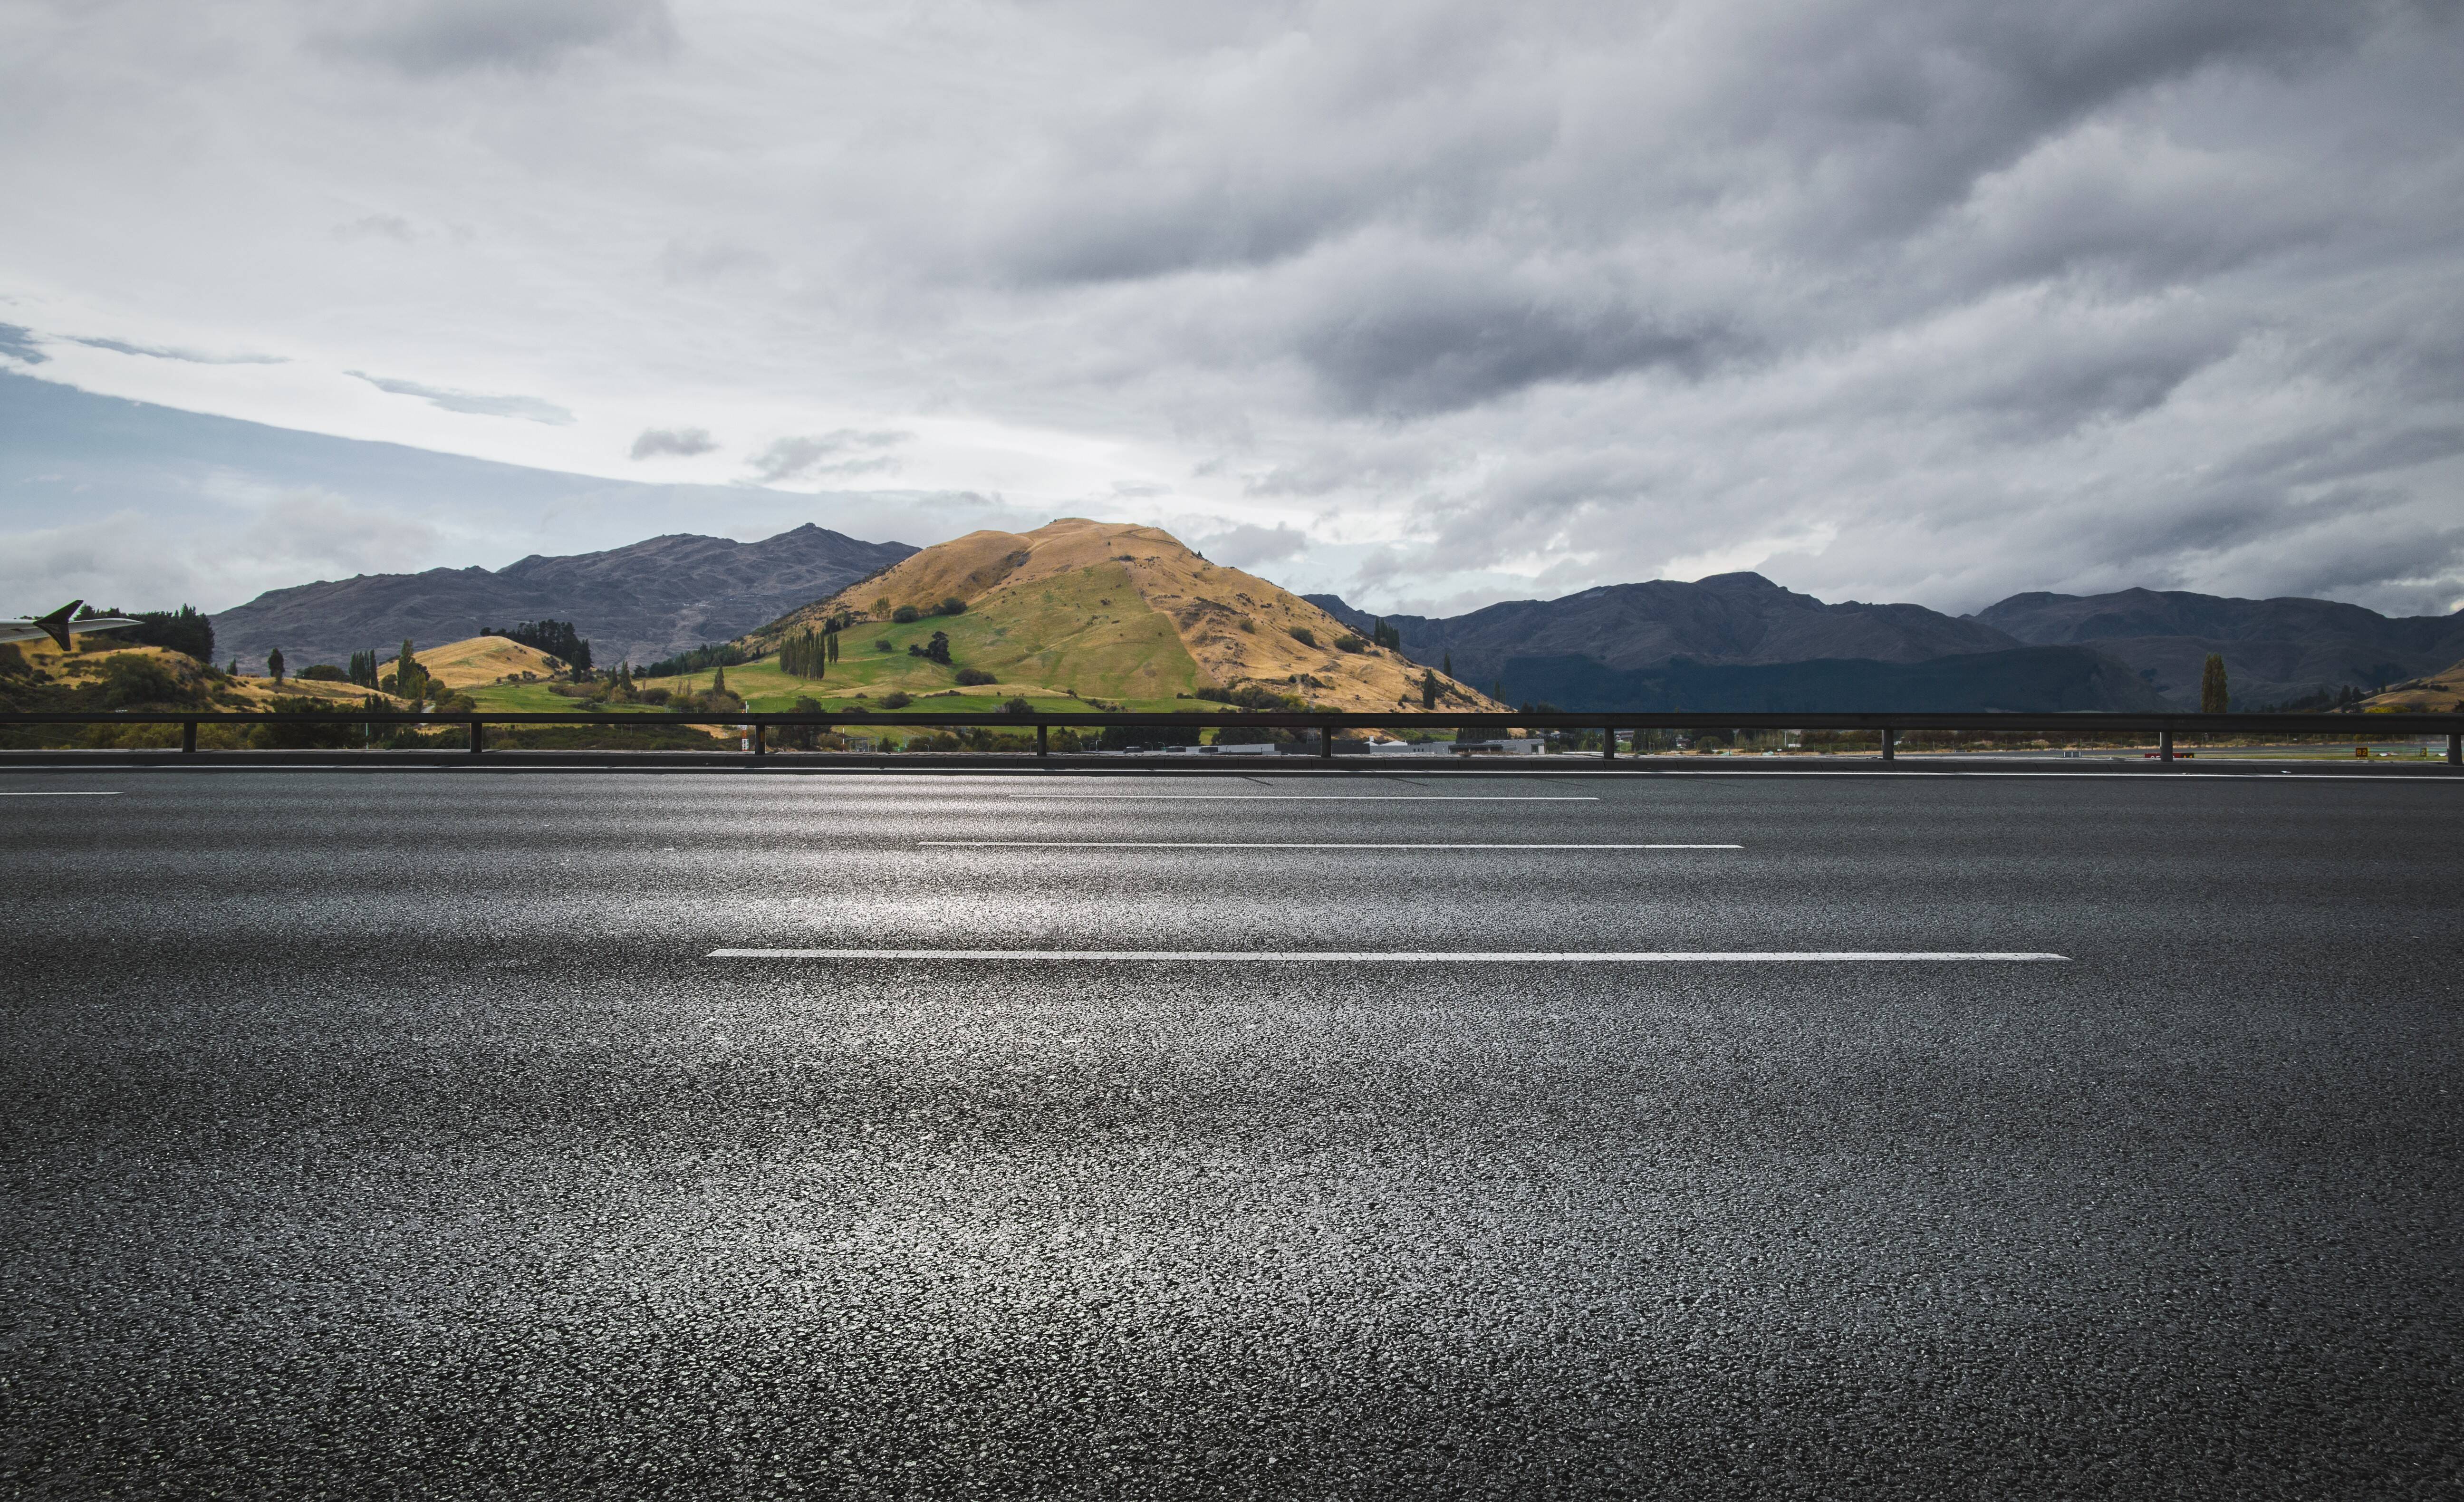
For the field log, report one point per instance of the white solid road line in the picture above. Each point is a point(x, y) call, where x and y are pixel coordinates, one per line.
point(1404, 956)
point(1306, 798)
point(113, 793)
point(1275, 844)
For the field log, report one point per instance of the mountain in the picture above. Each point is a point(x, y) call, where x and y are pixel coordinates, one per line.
point(1105, 610)
point(2033, 680)
point(1725, 619)
point(642, 602)
point(2274, 650)
point(1741, 642)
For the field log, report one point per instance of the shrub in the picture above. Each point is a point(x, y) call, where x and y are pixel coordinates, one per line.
point(1305, 637)
point(130, 680)
point(1349, 643)
point(1017, 706)
point(654, 696)
point(324, 673)
point(906, 613)
point(893, 699)
point(1250, 695)
point(969, 677)
point(881, 644)
point(951, 606)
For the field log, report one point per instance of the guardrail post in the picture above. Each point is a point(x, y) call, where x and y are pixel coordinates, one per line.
point(2164, 745)
point(760, 740)
point(1326, 743)
point(189, 737)
point(1043, 741)
point(1890, 743)
point(2456, 748)
point(1608, 744)
point(478, 736)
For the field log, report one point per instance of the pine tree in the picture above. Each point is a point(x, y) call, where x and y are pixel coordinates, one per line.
point(2214, 698)
point(1429, 690)
point(1446, 664)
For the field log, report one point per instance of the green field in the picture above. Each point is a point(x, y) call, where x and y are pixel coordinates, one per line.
point(1087, 631)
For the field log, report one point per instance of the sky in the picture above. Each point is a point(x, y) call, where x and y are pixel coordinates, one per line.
point(1431, 304)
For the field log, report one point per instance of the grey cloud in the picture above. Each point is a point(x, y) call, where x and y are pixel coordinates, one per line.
point(1249, 545)
point(1418, 346)
point(841, 452)
point(530, 409)
point(682, 442)
point(426, 37)
point(189, 356)
point(385, 226)
point(1920, 299)
point(17, 343)
point(683, 262)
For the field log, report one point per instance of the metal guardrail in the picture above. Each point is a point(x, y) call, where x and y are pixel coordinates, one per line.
point(1326, 723)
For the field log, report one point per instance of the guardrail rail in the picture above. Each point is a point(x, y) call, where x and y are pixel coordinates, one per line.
point(756, 728)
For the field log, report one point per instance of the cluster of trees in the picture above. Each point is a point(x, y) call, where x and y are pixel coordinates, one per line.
point(952, 605)
point(187, 630)
point(937, 650)
point(1249, 695)
point(557, 638)
point(1385, 635)
point(808, 654)
point(696, 659)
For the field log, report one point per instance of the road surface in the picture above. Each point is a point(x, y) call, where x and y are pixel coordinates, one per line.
point(490, 1134)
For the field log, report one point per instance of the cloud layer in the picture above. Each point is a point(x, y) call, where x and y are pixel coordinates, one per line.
point(1434, 303)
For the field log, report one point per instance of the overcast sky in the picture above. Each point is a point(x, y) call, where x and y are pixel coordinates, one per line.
point(1433, 304)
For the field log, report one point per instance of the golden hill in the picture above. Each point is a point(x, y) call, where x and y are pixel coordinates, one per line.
point(1114, 611)
point(482, 660)
point(236, 693)
point(2440, 692)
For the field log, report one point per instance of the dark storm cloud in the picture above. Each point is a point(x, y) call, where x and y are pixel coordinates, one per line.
point(682, 442)
point(441, 36)
point(529, 409)
point(1413, 346)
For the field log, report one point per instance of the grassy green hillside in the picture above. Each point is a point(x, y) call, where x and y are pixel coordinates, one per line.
point(1088, 629)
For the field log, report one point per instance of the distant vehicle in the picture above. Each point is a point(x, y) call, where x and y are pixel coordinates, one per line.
point(60, 625)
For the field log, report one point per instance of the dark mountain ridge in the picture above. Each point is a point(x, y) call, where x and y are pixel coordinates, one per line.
point(1727, 620)
point(1650, 644)
point(2274, 650)
point(641, 602)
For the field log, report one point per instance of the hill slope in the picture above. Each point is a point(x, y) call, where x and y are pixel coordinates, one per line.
point(642, 602)
point(1117, 611)
point(2274, 650)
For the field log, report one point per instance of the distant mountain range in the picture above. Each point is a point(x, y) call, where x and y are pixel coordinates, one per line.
point(1731, 641)
point(1718, 643)
point(643, 601)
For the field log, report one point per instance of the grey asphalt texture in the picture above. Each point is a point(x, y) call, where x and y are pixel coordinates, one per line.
point(391, 1136)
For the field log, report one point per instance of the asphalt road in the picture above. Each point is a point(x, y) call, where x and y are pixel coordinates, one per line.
point(399, 1134)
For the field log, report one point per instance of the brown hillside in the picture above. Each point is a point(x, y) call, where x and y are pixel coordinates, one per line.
point(1235, 625)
